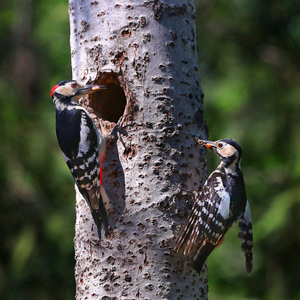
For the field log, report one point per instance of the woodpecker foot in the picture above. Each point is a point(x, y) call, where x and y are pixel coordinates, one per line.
point(94, 242)
point(117, 131)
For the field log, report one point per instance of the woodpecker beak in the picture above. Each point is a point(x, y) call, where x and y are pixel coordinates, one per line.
point(208, 144)
point(89, 88)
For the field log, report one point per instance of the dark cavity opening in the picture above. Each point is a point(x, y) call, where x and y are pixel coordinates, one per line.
point(109, 104)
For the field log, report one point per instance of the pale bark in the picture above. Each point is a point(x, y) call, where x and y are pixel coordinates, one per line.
point(149, 49)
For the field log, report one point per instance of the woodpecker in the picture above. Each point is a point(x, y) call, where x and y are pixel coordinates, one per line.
point(82, 145)
point(222, 202)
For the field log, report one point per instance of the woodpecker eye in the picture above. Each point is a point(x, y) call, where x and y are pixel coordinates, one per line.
point(220, 145)
point(73, 85)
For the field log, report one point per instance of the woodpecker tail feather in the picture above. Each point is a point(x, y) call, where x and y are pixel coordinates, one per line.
point(103, 215)
point(246, 236)
point(97, 220)
point(95, 202)
point(100, 217)
point(249, 264)
point(106, 201)
point(202, 255)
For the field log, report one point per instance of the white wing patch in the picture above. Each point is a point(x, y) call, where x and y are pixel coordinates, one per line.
point(84, 144)
point(224, 208)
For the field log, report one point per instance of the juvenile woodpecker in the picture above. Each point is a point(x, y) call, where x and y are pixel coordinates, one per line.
point(82, 145)
point(221, 202)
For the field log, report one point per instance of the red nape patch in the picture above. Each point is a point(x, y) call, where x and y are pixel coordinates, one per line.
point(53, 89)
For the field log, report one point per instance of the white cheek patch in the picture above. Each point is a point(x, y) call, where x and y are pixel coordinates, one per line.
point(228, 151)
point(64, 90)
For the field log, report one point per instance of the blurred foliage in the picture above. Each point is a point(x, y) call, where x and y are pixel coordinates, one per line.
point(249, 65)
point(37, 212)
point(249, 54)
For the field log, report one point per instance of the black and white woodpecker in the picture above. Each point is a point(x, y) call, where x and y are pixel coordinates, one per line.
point(82, 145)
point(222, 202)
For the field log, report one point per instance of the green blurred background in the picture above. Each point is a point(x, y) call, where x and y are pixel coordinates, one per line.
point(249, 66)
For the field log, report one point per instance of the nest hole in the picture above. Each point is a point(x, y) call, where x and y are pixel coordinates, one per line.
point(109, 104)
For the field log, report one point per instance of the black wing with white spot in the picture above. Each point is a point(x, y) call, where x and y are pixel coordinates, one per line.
point(78, 140)
point(209, 217)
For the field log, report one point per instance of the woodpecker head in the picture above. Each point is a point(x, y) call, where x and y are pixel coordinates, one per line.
point(227, 149)
point(73, 89)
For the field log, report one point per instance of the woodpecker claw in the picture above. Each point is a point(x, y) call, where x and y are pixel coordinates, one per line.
point(117, 131)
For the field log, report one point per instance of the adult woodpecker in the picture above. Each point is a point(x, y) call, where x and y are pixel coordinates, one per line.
point(221, 202)
point(82, 145)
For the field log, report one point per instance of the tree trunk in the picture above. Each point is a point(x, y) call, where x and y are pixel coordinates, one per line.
point(146, 53)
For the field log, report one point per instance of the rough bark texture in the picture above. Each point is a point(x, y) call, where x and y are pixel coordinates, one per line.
point(146, 53)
